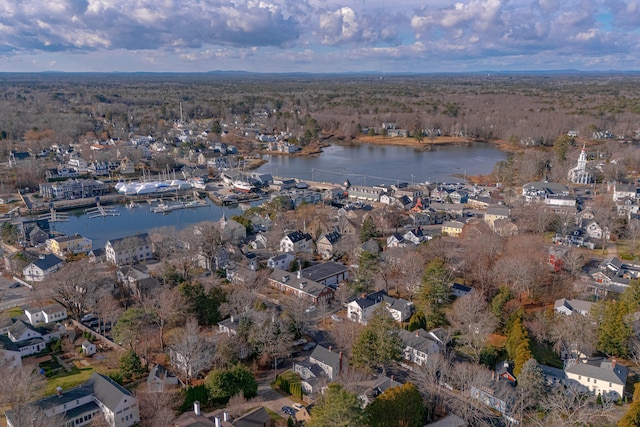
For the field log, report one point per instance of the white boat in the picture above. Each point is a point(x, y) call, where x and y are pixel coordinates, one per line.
point(243, 186)
point(132, 205)
point(197, 182)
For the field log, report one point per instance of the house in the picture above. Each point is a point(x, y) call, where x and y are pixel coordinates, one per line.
point(10, 355)
point(99, 396)
point(415, 236)
point(137, 281)
point(323, 365)
point(382, 384)
point(459, 290)
point(572, 306)
point(88, 348)
point(296, 284)
point(66, 245)
point(27, 339)
point(281, 262)
point(361, 309)
point(396, 241)
point(540, 190)
point(594, 231)
point(47, 314)
point(160, 380)
point(42, 267)
point(297, 241)
point(326, 245)
point(327, 273)
point(371, 194)
point(496, 212)
point(128, 250)
point(257, 417)
point(504, 372)
point(231, 230)
point(452, 228)
point(599, 376)
point(230, 328)
point(419, 345)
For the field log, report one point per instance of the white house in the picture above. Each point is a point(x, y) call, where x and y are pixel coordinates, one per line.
point(572, 306)
point(297, 241)
point(42, 267)
point(323, 364)
point(47, 314)
point(419, 345)
point(361, 309)
point(98, 397)
point(281, 261)
point(128, 250)
point(599, 376)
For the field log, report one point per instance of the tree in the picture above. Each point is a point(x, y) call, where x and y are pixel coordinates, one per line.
point(156, 409)
point(130, 365)
point(20, 386)
point(631, 418)
point(531, 384)
point(167, 306)
point(570, 406)
point(129, 327)
point(368, 229)
point(379, 343)
point(471, 316)
point(202, 303)
point(399, 406)
point(613, 330)
point(76, 286)
point(270, 336)
point(336, 408)
point(523, 354)
point(435, 291)
point(216, 128)
point(191, 353)
point(222, 384)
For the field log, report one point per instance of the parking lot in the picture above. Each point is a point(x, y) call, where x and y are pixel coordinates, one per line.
point(11, 295)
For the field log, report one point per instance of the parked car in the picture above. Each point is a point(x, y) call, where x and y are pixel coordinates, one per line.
point(13, 285)
point(88, 317)
point(301, 341)
point(336, 318)
point(289, 410)
point(309, 346)
point(310, 309)
point(297, 406)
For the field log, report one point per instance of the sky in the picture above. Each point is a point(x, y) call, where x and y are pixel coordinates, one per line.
point(325, 36)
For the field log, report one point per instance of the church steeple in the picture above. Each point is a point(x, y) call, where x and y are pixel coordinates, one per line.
point(582, 159)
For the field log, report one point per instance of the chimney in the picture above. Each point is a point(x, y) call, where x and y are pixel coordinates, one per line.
point(613, 363)
point(392, 377)
point(329, 348)
point(225, 416)
point(196, 408)
point(59, 391)
point(340, 366)
point(231, 319)
point(217, 420)
point(299, 274)
point(417, 333)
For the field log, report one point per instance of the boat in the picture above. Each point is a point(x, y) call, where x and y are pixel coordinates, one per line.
point(197, 182)
point(243, 186)
point(162, 208)
point(132, 205)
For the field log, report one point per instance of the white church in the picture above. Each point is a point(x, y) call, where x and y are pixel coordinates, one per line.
point(580, 174)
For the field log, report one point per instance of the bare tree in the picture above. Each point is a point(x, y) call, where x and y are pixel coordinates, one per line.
point(156, 409)
point(167, 306)
point(472, 317)
point(191, 353)
point(270, 337)
point(570, 406)
point(574, 333)
point(76, 286)
point(604, 213)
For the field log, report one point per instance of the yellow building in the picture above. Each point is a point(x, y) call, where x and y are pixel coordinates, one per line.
point(67, 245)
point(452, 228)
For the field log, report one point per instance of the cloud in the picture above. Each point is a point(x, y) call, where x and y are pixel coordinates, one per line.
point(143, 24)
point(345, 25)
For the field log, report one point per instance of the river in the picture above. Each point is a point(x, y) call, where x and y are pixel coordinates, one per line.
point(369, 164)
point(361, 164)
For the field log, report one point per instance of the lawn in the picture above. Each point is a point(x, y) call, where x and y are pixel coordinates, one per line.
point(14, 312)
point(68, 380)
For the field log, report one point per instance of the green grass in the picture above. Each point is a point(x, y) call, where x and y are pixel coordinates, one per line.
point(68, 380)
point(274, 416)
point(14, 312)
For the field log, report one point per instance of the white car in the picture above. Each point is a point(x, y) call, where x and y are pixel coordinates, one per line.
point(310, 309)
point(336, 318)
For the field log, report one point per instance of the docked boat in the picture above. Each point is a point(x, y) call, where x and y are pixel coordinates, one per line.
point(243, 186)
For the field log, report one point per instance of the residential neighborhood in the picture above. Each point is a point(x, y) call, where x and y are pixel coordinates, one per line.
point(172, 279)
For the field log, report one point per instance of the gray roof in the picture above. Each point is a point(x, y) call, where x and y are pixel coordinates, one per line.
point(7, 344)
point(574, 304)
point(255, 418)
point(547, 187)
point(498, 210)
point(601, 369)
point(297, 236)
point(291, 280)
point(323, 270)
point(326, 356)
point(106, 390)
point(47, 261)
point(418, 340)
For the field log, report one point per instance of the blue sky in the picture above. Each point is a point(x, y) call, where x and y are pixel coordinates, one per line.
point(319, 35)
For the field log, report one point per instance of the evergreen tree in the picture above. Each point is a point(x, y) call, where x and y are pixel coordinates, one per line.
point(368, 229)
point(222, 384)
point(336, 408)
point(399, 406)
point(613, 330)
point(523, 354)
point(631, 418)
point(379, 343)
point(517, 333)
point(417, 321)
point(130, 365)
